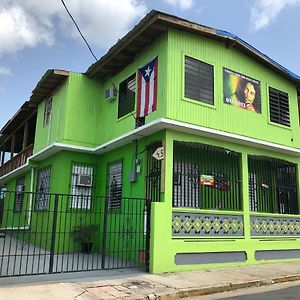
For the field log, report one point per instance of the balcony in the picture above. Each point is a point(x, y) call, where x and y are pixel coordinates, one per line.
point(17, 161)
point(17, 139)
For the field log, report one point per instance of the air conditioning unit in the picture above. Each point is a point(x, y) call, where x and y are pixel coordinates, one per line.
point(85, 180)
point(20, 188)
point(110, 94)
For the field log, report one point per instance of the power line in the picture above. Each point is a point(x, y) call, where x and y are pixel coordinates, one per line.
point(63, 3)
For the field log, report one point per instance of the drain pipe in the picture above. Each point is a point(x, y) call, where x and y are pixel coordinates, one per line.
point(29, 207)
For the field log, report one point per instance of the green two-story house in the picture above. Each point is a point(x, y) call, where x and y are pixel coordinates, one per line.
point(192, 118)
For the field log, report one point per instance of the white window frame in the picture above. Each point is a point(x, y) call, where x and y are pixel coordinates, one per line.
point(81, 195)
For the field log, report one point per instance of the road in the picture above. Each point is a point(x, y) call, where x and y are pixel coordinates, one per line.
point(284, 291)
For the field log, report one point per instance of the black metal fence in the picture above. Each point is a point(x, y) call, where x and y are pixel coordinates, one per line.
point(206, 177)
point(63, 237)
point(272, 185)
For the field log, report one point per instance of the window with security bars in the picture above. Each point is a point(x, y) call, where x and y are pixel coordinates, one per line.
point(126, 96)
point(272, 185)
point(114, 185)
point(199, 80)
point(82, 181)
point(279, 107)
point(43, 189)
point(48, 110)
point(206, 177)
point(19, 195)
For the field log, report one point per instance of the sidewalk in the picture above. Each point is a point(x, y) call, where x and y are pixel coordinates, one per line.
point(149, 286)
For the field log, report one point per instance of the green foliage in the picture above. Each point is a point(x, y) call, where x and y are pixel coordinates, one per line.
point(84, 234)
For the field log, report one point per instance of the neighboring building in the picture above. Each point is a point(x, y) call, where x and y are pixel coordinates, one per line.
point(225, 190)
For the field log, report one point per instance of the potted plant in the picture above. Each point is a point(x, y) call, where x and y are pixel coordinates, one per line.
point(85, 235)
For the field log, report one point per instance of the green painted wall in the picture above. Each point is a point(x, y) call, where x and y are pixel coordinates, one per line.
point(81, 116)
point(223, 116)
point(163, 253)
point(54, 131)
point(129, 217)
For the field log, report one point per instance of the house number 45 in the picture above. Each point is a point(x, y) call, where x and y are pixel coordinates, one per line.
point(159, 153)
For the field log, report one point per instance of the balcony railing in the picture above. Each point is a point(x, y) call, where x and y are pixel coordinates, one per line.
point(17, 161)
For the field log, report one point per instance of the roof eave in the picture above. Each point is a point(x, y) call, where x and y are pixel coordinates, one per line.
point(165, 21)
point(50, 81)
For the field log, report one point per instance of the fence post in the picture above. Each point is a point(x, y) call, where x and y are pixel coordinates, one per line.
point(148, 221)
point(104, 233)
point(52, 250)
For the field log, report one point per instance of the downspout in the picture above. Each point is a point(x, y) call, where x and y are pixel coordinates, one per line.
point(29, 207)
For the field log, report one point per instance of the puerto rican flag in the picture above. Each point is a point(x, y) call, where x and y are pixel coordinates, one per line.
point(147, 88)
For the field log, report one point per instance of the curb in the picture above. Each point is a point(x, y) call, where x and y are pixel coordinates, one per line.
point(224, 288)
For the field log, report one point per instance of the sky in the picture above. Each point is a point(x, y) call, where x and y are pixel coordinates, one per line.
point(36, 35)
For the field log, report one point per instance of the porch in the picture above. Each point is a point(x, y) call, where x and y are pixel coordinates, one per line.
point(17, 139)
point(228, 204)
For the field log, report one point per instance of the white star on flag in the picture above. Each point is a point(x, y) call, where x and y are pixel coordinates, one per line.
point(147, 71)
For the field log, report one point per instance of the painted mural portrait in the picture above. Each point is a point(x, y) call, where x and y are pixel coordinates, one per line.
point(241, 91)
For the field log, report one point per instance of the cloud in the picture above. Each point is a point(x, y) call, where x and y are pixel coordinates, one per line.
point(5, 71)
point(28, 23)
point(264, 12)
point(18, 30)
point(182, 4)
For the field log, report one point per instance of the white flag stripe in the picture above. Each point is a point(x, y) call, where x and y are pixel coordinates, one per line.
point(151, 93)
point(143, 100)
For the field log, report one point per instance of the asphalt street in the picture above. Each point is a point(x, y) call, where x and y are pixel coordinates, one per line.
point(285, 291)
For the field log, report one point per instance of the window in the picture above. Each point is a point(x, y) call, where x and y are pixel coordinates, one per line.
point(81, 185)
point(19, 195)
point(199, 80)
point(279, 107)
point(126, 96)
point(47, 112)
point(114, 185)
point(43, 189)
point(206, 177)
point(272, 185)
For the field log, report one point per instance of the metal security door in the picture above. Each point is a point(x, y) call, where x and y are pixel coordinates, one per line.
point(153, 177)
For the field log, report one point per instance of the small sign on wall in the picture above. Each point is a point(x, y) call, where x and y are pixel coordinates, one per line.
point(207, 180)
point(159, 153)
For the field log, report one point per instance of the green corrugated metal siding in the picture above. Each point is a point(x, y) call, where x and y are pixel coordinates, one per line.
point(84, 111)
point(54, 131)
point(223, 116)
point(91, 120)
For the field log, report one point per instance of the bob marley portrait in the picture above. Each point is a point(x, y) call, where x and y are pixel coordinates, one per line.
point(241, 91)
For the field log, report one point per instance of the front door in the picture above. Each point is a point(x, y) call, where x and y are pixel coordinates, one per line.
point(153, 176)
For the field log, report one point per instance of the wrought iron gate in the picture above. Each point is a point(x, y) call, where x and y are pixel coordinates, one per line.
point(63, 237)
point(153, 177)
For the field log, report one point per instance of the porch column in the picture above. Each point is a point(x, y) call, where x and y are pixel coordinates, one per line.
point(12, 146)
point(245, 196)
point(3, 154)
point(25, 136)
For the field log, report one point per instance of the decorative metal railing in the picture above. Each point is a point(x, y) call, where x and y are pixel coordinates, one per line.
point(17, 161)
